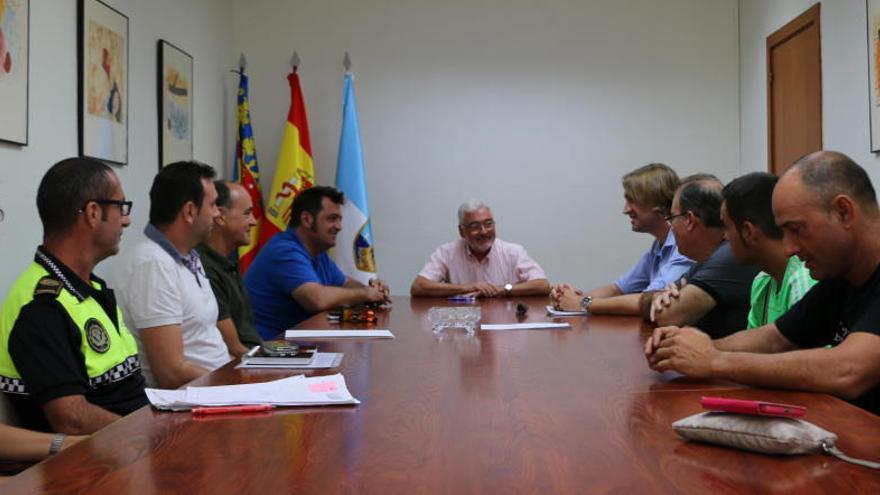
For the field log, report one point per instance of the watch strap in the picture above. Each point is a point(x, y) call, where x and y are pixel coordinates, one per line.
point(57, 442)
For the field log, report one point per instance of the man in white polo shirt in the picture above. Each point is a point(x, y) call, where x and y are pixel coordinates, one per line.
point(478, 263)
point(165, 294)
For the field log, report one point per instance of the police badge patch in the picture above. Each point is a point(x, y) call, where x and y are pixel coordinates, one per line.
point(97, 336)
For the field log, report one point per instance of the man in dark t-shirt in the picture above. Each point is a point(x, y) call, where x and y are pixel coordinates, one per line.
point(714, 293)
point(232, 230)
point(829, 341)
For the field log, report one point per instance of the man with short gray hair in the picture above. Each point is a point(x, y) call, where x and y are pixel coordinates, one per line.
point(479, 264)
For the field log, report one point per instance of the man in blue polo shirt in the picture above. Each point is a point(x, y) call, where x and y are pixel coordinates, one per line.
point(647, 194)
point(293, 277)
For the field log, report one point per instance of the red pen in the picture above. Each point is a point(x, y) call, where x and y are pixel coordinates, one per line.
point(203, 411)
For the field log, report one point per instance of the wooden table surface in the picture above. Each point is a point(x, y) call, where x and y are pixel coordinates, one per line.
point(535, 411)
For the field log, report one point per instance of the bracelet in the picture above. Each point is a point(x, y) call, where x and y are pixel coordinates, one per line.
point(55, 446)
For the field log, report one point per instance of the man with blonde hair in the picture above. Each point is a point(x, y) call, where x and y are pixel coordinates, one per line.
point(647, 196)
point(478, 263)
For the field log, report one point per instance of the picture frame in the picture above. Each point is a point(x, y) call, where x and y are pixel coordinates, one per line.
point(873, 31)
point(14, 70)
point(175, 100)
point(103, 55)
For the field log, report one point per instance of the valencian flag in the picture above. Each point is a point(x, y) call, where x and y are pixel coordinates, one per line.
point(294, 170)
point(246, 171)
point(354, 251)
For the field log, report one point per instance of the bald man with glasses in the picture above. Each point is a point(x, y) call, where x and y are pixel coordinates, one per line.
point(478, 263)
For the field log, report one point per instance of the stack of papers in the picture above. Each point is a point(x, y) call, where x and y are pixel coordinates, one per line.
point(338, 334)
point(292, 391)
point(535, 325)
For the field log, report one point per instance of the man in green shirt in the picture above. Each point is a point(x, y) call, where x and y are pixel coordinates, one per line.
point(756, 240)
point(231, 230)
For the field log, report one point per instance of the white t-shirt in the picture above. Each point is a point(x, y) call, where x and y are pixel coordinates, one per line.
point(157, 290)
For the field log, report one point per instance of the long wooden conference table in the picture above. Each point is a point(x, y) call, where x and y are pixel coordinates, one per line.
point(529, 411)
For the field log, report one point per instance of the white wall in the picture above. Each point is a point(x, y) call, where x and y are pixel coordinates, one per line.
point(536, 107)
point(845, 125)
point(200, 27)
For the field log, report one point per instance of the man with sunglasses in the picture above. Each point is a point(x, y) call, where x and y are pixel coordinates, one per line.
point(68, 362)
point(479, 264)
point(714, 293)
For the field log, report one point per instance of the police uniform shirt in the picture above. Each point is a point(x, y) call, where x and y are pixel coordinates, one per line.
point(45, 346)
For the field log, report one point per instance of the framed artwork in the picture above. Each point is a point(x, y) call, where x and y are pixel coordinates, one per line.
point(874, 71)
point(14, 41)
point(103, 82)
point(175, 88)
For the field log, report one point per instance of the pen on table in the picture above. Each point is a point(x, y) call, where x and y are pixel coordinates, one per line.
point(203, 411)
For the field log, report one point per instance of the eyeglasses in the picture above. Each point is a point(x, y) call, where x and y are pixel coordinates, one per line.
point(476, 226)
point(670, 218)
point(124, 206)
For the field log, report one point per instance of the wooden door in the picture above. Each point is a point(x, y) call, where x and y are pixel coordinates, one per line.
point(794, 91)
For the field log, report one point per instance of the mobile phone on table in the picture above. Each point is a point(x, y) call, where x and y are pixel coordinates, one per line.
point(755, 407)
point(281, 348)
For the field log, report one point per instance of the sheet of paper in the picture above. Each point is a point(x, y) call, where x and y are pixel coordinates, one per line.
point(535, 325)
point(291, 391)
point(338, 334)
point(322, 360)
point(558, 312)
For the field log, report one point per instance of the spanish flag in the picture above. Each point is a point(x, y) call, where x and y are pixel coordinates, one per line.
point(294, 170)
point(247, 172)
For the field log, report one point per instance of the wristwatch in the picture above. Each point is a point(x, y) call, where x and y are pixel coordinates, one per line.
point(508, 290)
point(586, 302)
point(57, 442)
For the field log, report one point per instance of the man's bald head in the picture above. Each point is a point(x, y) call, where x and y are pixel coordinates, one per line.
point(827, 174)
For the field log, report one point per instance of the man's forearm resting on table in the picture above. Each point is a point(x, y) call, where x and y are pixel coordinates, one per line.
point(536, 287)
point(230, 336)
point(628, 304)
point(765, 339)
point(692, 304)
point(847, 370)
point(74, 415)
point(314, 297)
point(423, 287)
point(164, 349)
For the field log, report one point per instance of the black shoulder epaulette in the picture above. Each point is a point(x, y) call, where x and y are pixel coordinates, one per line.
point(48, 286)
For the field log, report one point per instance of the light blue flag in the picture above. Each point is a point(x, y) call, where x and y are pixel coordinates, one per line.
point(354, 249)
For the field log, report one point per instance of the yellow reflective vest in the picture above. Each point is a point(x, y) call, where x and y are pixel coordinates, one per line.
point(110, 352)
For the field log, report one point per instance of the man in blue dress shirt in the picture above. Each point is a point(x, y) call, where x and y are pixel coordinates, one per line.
point(293, 278)
point(647, 193)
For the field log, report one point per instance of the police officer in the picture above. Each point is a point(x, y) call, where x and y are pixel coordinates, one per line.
point(67, 362)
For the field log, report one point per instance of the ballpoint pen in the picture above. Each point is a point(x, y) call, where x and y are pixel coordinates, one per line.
point(205, 411)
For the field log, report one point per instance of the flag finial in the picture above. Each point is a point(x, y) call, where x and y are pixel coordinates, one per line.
point(242, 62)
point(346, 62)
point(294, 61)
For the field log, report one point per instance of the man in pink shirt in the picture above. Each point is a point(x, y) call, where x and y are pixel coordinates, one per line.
point(478, 263)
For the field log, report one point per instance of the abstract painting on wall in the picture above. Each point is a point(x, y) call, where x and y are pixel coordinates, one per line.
point(874, 71)
point(14, 70)
point(103, 82)
point(175, 104)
